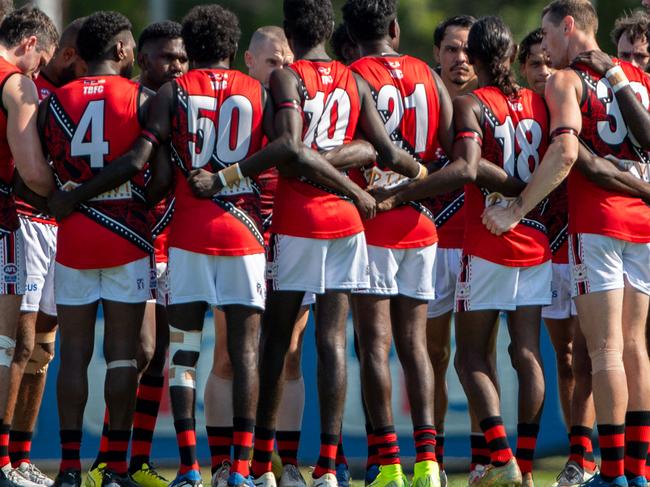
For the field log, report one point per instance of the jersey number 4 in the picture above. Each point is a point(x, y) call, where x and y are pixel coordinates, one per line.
point(94, 147)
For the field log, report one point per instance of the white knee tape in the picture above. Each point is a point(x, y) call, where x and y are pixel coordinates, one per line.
point(122, 364)
point(605, 359)
point(7, 348)
point(183, 341)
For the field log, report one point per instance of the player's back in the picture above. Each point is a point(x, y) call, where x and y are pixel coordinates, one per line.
point(593, 209)
point(91, 122)
point(408, 102)
point(8, 217)
point(217, 123)
point(331, 106)
point(515, 138)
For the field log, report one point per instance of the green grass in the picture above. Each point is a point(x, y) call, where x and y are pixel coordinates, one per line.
point(546, 471)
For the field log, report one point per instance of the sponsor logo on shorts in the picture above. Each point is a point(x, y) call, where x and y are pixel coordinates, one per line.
point(462, 290)
point(153, 279)
point(580, 272)
point(140, 284)
point(32, 287)
point(10, 273)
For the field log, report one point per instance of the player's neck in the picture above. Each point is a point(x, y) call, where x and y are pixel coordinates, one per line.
point(103, 68)
point(8, 55)
point(379, 47)
point(221, 64)
point(582, 43)
point(49, 73)
point(455, 89)
point(317, 52)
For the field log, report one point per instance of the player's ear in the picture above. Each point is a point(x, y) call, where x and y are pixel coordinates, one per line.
point(569, 24)
point(393, 29)
point(30, 43)
point(120, 51)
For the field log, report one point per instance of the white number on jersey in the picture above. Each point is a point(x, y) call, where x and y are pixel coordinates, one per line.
point(93, 120)
point(325, 113)
point(527, 136)
point(229, 146)
point(389, 95)
point(614, 130)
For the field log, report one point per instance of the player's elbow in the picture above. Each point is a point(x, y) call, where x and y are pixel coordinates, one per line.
point(39, 181)
point(468, 172)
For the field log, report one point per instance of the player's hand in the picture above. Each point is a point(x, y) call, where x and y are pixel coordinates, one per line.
point(366, 204)
point(61, 204)
point(381, 193)
point(499, 220)
point(388, 203)
point(204, 184)
point(596, 60)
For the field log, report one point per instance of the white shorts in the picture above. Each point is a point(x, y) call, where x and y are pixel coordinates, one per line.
point(562, 306)
point(128, 283)
point(485, 285)
point(409, 272)
point(308, 299)
point(316, 265)
point(600, 263)
point(13, 265)
point(160, 283)
point(216, 279)
point(447, 268)
point(40, 253)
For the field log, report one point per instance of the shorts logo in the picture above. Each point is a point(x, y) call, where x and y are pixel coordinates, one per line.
point(153, 279)
point(580, 272)
point(32, 287)
point(140, 284)
point(462, 290)
point(10, 272)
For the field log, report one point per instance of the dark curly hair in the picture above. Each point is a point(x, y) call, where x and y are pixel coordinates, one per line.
point(634, 25)
point(309, 22)
point(97, 33)
point(339, 41)
point(533, 38)
point(464, 21)
point(167, 29)
point(210, 33)
point(26, 22)
point(490, 42)
point(369, 20)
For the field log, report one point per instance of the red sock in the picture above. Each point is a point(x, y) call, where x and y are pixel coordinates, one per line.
point(480, 450)
point(150, 391)
point(340, 454)
point(425, 443)
point(612, 450)
point(4, 445)
point(288, 442)
point(20, 445)
point(440, 449)
point(263, 451)
point(219, 441)
point(103, 443)
point(497, 441)
point(582, 450)
point(387, 445)
point(70, 446)
point(647, 465)
point(373, 452)
point(327, 457)
point(526, 442)
point(186, 439)
point(118, 444)
point(242, 441)
point(637, 439)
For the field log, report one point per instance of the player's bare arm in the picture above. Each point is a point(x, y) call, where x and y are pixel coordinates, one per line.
point(446, 116)
point(388, 154)
point(637, 117)
point(162, 175)
point(563, 90)
point(20, 99)
point(356, 154)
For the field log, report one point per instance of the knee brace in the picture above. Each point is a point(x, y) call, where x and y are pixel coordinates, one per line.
point(42, 354)
point(606, 359)
point(184, 349)
point(7, 348)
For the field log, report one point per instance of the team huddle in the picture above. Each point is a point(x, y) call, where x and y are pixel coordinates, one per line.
point(372, 184)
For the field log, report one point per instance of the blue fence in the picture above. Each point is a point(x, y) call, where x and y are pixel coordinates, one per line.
point(553, 438)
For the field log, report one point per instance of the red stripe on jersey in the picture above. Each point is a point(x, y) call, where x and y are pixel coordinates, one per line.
point(302, 209)
point(593, 209)
point(408, 101)
point(515, 138)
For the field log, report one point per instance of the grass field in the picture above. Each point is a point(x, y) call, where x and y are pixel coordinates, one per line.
point(546, 471)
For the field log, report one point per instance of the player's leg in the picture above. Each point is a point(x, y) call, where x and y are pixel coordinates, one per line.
point(439, 348)
point(218, 404)
point(561, 332)
point(524, 328)
point(292, 405)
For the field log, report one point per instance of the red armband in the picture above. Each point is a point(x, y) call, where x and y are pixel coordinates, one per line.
point(469, 134)
point(151, 137)
point(292, 104)
point(564, 131)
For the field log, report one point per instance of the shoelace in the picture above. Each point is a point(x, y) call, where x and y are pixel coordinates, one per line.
point(35, 473)
point(570, 474)
point(151, 471)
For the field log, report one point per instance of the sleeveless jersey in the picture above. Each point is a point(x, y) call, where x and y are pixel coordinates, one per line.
point(406, 97)
point(217, 122)
point(331, 106)
point(162, 217)
point(557, 223)
point(448, 210)
point(44, 88)
point(91, 122)
point(593, 209)
point(8, 216)
point(515, 138)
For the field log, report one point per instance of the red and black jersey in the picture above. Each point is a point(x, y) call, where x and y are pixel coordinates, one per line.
point(515, 138)
point(593, 209)
point(162, 216)
point(448, 210)
point(556, 217)
point(8, 217)
point(44, 88)
point(406, 97)
point(331, 107)
point(91, 122)
point(217, 122)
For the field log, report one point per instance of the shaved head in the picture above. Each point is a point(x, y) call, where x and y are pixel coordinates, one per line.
point(268, 50)
point(268, 33)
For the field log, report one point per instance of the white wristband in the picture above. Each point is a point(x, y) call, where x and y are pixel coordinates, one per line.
point(614, 71)
point(620, 85)
point(239, 173)
point(222, 179)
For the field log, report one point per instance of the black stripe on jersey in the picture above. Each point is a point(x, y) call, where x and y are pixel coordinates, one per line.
point(559, 239)
point(165, 219)
point(422, 209)
point(64, 121)
point(450, 210)
point(242, 216)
